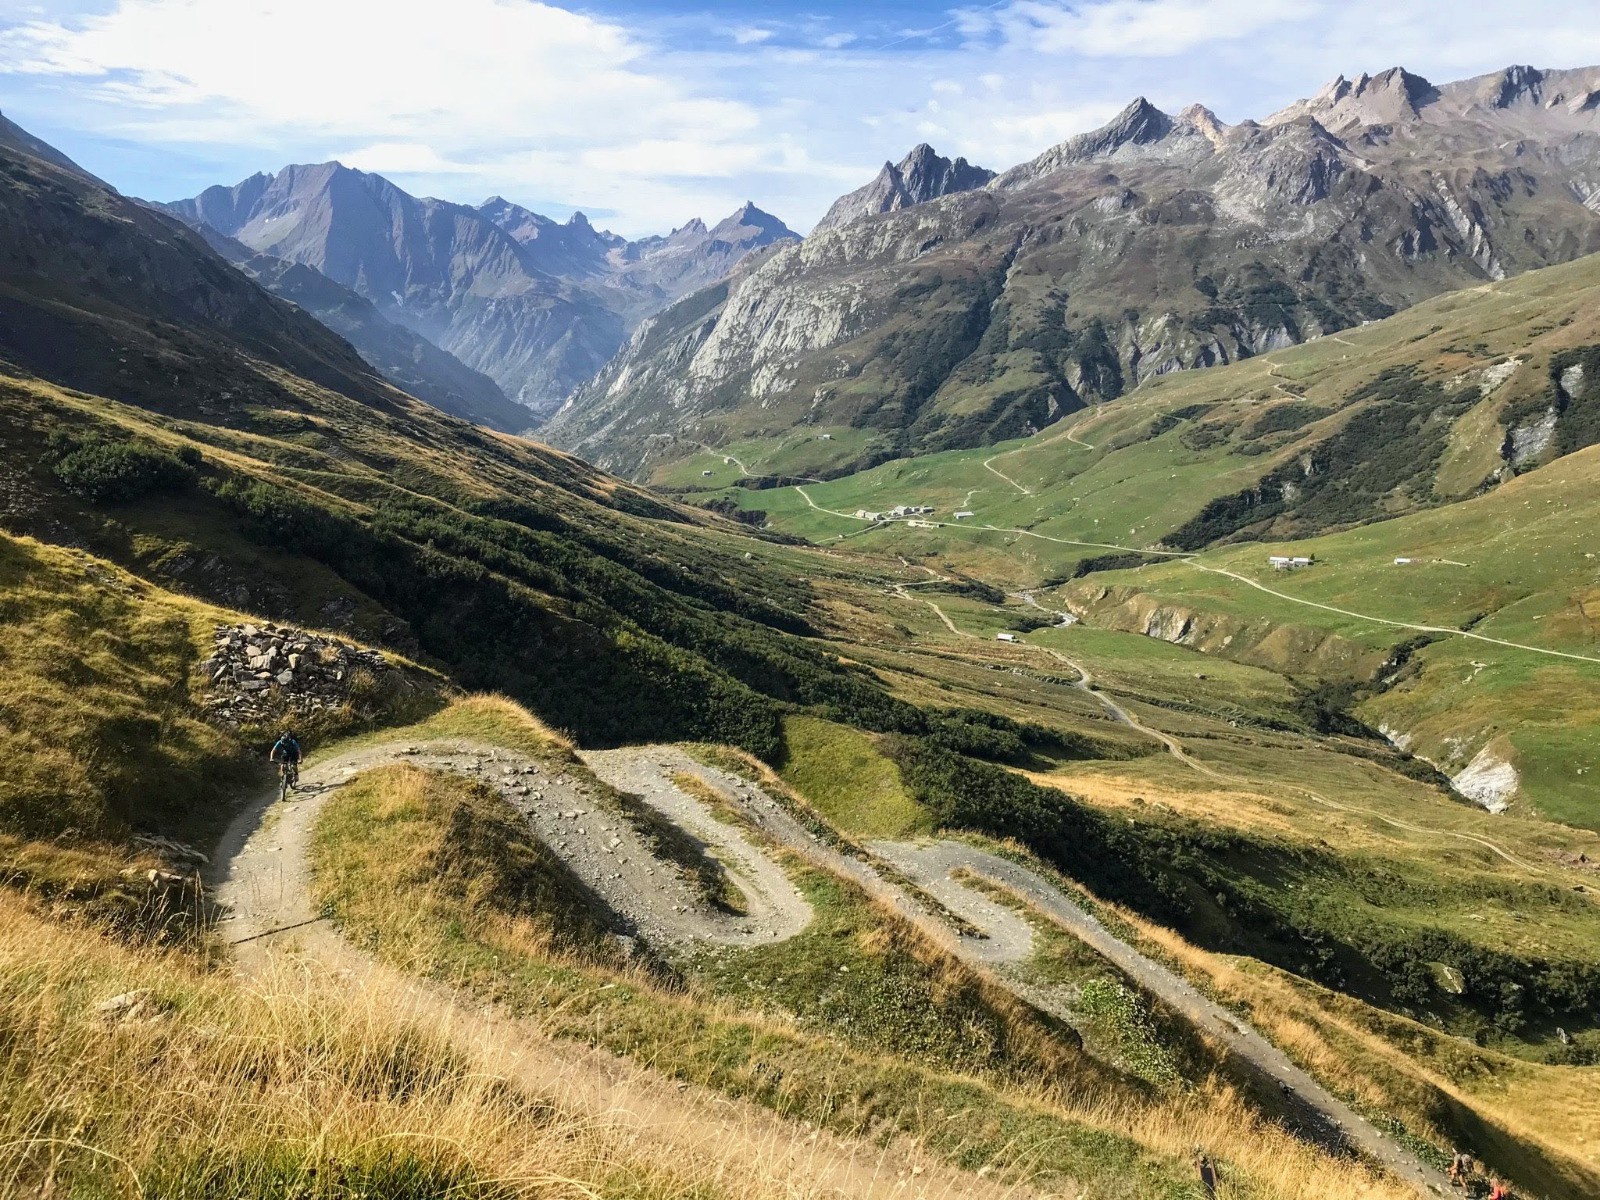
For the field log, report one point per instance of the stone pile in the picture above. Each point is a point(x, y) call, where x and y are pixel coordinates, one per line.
point(261, 672)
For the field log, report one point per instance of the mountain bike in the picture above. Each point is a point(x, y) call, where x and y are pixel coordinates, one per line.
point(288, 778)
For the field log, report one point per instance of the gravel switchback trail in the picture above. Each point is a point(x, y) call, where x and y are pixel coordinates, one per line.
point(261, 876)
point(1008, 939)
point(933, 866)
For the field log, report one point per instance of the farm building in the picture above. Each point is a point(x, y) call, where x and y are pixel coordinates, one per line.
point(963, 514)
point(1402, 562)
point(1005, 637)
point(1284, 562)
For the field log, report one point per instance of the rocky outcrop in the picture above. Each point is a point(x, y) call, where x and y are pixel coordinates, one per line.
point(261, 673)
point(921, 176)
point(1488, 781)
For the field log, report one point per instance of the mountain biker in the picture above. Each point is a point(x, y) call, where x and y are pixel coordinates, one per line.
point(286, 752)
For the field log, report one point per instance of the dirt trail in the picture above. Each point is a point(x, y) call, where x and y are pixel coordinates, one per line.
point(1009, 940)
point(261, 874)
point(1177, 749)
point(933, 865)
point(988, 465)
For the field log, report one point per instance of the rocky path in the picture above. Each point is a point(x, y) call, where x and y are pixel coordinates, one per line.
point(1008, 940)
point(933, 865)
point(261, 876)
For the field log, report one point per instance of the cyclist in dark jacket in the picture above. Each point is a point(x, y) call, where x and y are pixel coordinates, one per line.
point(286, 749)
point(286, 753)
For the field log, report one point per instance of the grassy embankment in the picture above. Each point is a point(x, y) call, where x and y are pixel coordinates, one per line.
point(104, 732)
point(294, 1085)
point(736, 1027)
point(1534, 1122)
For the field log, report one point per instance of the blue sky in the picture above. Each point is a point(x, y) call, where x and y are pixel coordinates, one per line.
point(644, 115)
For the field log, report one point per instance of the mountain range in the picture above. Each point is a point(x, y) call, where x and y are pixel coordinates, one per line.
point(935, 308)
point(1352, 798)
point(536, 305)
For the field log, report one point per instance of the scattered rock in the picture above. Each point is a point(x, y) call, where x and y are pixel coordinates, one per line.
point(125, 1006)
point(262, 672)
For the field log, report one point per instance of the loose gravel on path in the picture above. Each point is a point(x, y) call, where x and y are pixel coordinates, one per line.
point(261, 876)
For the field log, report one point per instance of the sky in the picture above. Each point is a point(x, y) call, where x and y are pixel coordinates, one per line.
point(643, 115)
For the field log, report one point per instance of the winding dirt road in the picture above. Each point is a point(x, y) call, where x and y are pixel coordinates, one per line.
point(1328, 1119)
point(261, 874)
point(1008, 939)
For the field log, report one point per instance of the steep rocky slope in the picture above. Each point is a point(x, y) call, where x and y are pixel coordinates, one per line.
point(1156, 243)
point(536, 305)
point(406, 359)
point(922, 175)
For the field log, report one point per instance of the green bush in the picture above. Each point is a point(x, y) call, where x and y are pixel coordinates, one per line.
point(114, 472)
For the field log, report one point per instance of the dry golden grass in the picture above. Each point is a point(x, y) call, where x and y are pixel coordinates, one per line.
point(462, 932)
point(1543, 1119)
point(294, 1086)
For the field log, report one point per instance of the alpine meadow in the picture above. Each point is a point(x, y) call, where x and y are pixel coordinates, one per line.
point(1077, 676)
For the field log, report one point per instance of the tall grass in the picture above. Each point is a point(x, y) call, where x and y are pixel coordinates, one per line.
point(1056, 1126)
point(296, 1086)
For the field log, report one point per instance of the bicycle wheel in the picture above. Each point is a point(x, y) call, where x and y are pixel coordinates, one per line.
point(283, 782)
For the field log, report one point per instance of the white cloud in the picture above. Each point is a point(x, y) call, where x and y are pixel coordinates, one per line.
point(417, 92)
point(666, 117)
point(401, 158)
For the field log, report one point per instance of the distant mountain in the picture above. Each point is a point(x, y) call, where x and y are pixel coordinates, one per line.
point(406, 359)
point(1156, 243)
point(105, 295)
point(536, 305)
point(922, 175)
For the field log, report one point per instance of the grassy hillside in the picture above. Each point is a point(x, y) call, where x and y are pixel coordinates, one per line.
point(1031, 1106)
point(105, 734)
point(1406, 413)
point(1418, 435)
point(293, 1085)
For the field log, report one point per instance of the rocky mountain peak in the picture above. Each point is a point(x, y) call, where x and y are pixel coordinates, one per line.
point(1141, 122)
point(1141, 130)
point(750, 226)
point(1392, 97)
point(1519, 85)
point(922, 175)
point(1206, 121)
